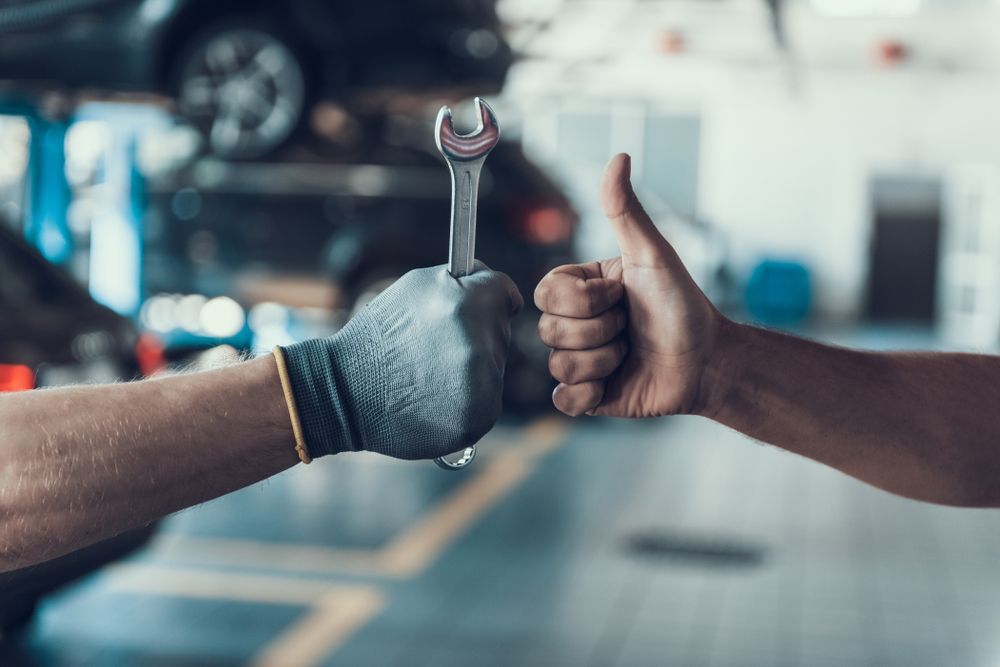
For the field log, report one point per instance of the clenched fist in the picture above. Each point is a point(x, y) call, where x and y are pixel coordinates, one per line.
point(416, 374)
point(630, 336)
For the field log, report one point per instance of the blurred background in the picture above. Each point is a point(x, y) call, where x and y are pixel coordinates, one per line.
point(184, 182)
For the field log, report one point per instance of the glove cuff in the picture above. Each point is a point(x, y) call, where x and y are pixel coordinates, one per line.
point(337, 388)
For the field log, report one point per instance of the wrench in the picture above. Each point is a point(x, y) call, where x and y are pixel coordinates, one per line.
point(465, 155)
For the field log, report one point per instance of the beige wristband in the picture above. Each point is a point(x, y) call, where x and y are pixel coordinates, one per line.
point(293, 412)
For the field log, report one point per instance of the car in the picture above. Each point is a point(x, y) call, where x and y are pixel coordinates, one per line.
point(52, 333)
point(356, 225)
point(247, 73)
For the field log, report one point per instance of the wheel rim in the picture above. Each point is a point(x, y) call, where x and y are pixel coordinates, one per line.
point(244, 89)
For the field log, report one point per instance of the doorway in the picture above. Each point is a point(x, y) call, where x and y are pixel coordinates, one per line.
point(905, 246)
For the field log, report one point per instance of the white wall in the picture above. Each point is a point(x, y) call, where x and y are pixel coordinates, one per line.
point(786, 160)
point(789, 173)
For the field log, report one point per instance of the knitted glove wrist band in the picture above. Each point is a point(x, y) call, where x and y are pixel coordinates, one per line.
point(337, 388)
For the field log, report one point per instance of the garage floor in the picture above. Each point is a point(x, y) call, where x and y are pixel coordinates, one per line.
point(590, 542)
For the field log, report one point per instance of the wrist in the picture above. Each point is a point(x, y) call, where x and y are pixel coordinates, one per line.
point(720, 378)
point(268, 413)
point(316, 398)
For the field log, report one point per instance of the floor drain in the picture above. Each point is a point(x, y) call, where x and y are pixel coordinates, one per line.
point(712, 551)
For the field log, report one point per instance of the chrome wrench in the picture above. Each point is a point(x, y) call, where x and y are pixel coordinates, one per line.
point(465, 155)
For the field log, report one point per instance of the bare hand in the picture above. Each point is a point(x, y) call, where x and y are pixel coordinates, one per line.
point(630, 336)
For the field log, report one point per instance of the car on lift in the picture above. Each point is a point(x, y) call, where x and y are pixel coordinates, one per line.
point(52, 333)
point(247, 73)
point(357, 222)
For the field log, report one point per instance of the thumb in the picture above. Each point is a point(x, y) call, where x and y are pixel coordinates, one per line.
point(640, 241)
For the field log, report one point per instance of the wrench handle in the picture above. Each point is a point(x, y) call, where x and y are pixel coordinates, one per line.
point(462, 249)
point(464, 200)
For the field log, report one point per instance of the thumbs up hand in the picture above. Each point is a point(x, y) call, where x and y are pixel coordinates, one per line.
point(631, 336)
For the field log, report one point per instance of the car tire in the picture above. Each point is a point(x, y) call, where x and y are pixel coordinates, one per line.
point(244, 87)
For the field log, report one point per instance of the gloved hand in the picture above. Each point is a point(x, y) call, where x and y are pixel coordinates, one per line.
point(416, 374)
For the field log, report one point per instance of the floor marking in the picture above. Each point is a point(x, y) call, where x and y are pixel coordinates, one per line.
point(334, 612)
point(411, 552)
point(333, 619)
point(267, 555)
point(212, 585)
point(538, 439)
point(414, 550)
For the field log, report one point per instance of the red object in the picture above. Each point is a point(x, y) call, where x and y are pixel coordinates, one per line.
point(892, 52)
point(547, 225)
point(16, 378)
point(150, 354)
point(673, 41)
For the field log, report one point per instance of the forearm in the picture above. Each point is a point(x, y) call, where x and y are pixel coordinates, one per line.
point(81, 464)
point(920, 425)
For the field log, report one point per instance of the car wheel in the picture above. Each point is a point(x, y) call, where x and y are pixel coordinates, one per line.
point(244, 88)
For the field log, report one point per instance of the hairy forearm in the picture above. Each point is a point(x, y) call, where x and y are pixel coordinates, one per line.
point(921, 425)
point(81, 464)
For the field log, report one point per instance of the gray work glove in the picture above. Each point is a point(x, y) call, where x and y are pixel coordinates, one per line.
point(416, 374)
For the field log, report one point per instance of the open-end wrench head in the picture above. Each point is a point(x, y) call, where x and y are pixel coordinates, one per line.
point(467, 147)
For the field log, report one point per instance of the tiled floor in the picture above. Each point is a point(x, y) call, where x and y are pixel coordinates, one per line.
point(572, 543)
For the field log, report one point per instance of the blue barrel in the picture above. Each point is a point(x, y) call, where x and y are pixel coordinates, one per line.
point(779, 292)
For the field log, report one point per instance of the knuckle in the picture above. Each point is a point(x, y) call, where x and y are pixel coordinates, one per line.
point(555, 370)
point(563, 366)
point(548, 329)
point(480, 409)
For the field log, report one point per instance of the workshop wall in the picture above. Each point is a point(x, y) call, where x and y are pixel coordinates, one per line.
point(790, 141)
point(789, 172)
